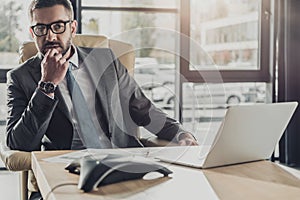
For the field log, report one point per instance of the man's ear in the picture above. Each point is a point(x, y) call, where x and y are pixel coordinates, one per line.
point(74, 27)
point(31, 33)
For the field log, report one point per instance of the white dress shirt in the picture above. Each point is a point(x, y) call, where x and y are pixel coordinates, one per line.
point(89, 91)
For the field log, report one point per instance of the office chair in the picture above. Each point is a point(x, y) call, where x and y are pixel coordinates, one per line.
point(21, 161)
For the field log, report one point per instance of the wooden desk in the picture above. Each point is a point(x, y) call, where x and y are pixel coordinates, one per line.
point(256, 180)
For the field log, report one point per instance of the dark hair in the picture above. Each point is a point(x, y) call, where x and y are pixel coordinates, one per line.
point(36, 4)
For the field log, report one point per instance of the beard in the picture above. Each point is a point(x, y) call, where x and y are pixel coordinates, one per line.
point(68, 46)
point(49, 45)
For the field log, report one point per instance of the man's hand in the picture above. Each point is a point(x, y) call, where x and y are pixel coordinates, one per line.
point(54, 66)
point(187, 139)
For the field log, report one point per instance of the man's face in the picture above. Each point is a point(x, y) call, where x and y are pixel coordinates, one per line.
point(61, 42)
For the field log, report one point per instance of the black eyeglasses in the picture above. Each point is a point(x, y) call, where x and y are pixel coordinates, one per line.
point(57, 27)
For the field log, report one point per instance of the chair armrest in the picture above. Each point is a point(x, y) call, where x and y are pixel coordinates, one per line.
point(15, 160)
point(155, 142)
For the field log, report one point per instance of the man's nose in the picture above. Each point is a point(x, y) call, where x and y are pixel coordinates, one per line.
point(51, 36)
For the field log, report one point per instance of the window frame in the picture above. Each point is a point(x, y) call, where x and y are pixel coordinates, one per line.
point(260, 75)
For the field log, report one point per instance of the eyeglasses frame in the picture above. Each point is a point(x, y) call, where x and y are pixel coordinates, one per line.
point(48, 26)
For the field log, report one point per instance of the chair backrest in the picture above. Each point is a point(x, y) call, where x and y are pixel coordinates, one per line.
point(123, 51)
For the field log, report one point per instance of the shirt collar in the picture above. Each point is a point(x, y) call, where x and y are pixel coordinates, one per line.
point(74, 58)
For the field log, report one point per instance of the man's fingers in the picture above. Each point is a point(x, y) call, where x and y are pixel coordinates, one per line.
point(53, 52)
point(47, 53)
point(55, 56)
point(45, 57)
point(58, 56)
point(63, 61)
point(65, 56)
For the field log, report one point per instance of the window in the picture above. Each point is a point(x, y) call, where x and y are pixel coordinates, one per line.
point(225, 60)
point(226, 37)
point(14, 30)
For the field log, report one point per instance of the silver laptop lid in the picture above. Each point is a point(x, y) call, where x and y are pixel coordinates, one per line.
point(249, 133)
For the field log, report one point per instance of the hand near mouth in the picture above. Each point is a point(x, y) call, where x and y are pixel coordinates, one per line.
point(51, 45)
point(54, 66)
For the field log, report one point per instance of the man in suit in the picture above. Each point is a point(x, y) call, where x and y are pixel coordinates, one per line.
point(40, 104)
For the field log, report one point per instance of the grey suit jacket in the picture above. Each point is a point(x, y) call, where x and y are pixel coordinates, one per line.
point(37, 122)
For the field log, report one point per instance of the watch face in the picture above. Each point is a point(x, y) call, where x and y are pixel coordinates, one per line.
point(47, 87)
point(50, 87)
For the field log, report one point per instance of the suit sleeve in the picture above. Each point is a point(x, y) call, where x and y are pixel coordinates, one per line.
point(142, 111)
point(28, 116)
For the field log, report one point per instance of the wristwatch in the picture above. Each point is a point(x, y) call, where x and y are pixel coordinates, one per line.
point(47, 87)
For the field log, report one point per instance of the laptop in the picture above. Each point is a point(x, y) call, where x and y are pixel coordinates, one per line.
point(247, 133)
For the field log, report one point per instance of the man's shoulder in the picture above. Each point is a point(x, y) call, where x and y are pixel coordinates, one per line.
point(26, 66)
point(94, 50)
